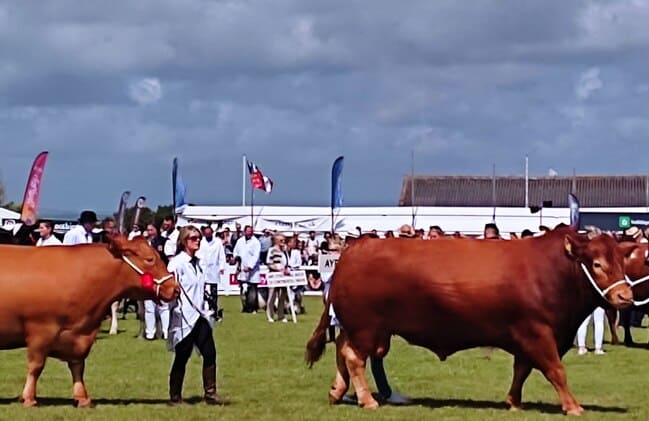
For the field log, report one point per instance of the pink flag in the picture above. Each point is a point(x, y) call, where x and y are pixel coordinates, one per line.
point(33, 190)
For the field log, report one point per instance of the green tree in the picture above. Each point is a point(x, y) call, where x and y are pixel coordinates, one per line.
point(16, 207)
point(2, 192)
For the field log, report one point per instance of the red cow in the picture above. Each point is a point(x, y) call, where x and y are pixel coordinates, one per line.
point(527, 297)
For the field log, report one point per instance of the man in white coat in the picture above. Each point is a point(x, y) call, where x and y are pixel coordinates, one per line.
point(247, 252)
point(212, 256)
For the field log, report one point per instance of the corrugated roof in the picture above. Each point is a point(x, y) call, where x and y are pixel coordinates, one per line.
point(592, 191)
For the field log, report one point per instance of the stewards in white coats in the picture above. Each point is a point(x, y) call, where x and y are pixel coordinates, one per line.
point(212, 255)
point(151, 308)
point(247, 252)
point(190, 325)
point(82, 233)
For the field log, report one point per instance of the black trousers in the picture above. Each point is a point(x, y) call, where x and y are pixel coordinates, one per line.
point(201, 337)
point(212, 296)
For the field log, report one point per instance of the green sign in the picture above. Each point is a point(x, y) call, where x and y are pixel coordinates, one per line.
point(624, 222)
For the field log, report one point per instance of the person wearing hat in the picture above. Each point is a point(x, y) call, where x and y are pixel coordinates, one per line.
point(407, 231)
point(82, 233)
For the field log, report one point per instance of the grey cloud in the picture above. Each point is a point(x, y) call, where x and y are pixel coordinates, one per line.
point(294, 84)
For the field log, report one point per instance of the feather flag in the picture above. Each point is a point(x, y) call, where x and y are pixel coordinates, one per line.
point(121, 211)
point(33, 190)
point(258, 180)
point(178, 186)
point(336, 183)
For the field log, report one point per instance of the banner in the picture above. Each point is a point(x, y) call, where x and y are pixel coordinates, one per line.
point(121, 211)
point(178, 187)
point(33, 190)
point(139, 204)
point(336, 183)
point(573, 204)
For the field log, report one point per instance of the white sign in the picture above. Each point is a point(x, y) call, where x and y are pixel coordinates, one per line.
point(327, 262)
point(278, 279)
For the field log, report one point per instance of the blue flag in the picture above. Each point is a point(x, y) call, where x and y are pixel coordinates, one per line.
point(573, 204)
point(336, 183)
point(178, 186)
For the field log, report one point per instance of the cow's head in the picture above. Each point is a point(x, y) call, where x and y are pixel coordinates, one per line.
point(602, 260)
point(637, 270)
point(146, 270)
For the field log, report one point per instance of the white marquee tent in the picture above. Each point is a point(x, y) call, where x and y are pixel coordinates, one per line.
point(8, 218)
point(302, 219)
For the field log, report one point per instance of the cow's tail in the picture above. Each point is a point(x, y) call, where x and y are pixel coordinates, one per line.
point(316, 345)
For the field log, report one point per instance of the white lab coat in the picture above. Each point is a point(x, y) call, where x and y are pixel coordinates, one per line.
point(248, 251)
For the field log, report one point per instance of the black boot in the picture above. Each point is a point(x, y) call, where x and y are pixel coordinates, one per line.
point(175, 388)
point(209, 384)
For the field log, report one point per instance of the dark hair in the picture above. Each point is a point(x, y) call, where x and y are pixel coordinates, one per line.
point(47, 223)
point(527, 233)
point(492, 226)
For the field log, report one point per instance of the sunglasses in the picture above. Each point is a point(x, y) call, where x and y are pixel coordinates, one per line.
point(194, 238)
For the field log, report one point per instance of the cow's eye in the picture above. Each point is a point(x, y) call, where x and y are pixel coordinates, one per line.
point(597, 265)
point(149, 261)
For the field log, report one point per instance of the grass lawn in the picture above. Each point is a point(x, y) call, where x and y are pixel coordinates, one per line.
point(262, 373)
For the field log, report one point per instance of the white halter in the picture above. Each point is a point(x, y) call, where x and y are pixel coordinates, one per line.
point(605, 291)
point(158, 282)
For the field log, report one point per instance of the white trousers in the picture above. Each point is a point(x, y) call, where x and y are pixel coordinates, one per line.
point(598, 321)
point(150, 310)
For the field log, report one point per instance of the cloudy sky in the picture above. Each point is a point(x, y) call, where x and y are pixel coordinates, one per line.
point(116, 90)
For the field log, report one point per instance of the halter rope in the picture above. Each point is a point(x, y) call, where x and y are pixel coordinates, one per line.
point(158, 282)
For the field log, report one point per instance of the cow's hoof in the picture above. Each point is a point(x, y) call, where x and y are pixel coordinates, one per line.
point(575, 411)
point(83, 403)
point(334, 400)
point(373, 404)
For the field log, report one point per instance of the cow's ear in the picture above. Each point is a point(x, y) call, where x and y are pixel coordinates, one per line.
point(574, 247)
point(627, 248)
point(117, 244)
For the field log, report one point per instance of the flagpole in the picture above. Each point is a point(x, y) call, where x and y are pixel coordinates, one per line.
point(252, 204)
point(243, 182)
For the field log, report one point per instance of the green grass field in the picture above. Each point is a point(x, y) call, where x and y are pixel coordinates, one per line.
point(262, 373)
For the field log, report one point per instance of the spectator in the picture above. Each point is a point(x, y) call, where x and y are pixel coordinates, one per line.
point(491, 231)
point(46, 236)
point(527, 233)
point(82, 233)
point(151, 308)
point(407, 231)
point(247, 251)
point(212, 256)
point(277, 261)
point(435, 232)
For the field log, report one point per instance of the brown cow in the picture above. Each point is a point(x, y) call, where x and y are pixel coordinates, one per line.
point(527, 297)
point(54, 300)
point(638, 272)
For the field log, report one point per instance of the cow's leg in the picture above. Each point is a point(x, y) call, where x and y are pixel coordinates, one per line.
point(625, 321)
point(35, 363)
point(79, 392)
point(356, 368)
point(543, 355)
point(341, 382)
point(612, 317)
point(113, 318)
point(522, 369)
